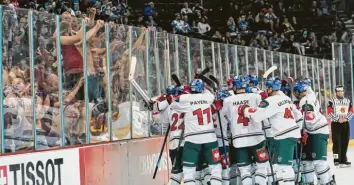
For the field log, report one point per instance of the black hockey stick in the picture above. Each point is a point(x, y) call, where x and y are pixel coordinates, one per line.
point(205, 71)
point(270, 158)
point(301, 145)
point(216, 81)
point(161, 152)
point(176, 80)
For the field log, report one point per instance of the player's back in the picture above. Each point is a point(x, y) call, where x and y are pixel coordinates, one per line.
point(198, 120)
point(245, 132)
point(315, 121)
point(176, 120)
point(283, 121)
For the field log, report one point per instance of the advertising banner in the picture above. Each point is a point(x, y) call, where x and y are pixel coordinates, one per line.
point(58, 167)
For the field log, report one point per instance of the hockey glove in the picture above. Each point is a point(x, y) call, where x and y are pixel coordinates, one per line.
point(304, 137)
point(217, 105)
point(264, 95)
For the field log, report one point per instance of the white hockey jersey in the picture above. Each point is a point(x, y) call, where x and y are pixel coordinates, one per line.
point(278, 109)
point(244, 132)
point(315, 121)
point(175, 119)
point(199, 127)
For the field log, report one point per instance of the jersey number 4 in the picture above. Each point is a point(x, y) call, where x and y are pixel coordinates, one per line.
point(176, 118)
point(288, 114)
point(199, 113)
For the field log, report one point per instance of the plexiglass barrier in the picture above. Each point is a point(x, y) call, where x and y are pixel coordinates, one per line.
point(65, 80)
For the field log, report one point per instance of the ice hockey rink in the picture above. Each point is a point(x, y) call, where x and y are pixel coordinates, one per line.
point(344, 176)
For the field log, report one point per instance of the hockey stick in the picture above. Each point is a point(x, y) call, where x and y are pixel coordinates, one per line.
point(161, 152)
point(301, 146)
point(205, 71)
point(142, 93)
point(265, 76)
point(267, 73)
point(176, 80)
point(220, 124)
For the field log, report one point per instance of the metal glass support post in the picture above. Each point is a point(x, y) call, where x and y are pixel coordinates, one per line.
point(33, 76)
point(295, 73)
point(301, 66)
point(177, 56)
point(341, 64)
point(60, 73)
point(109, 80)
point(281, 64)
point(318, 81)
point(147, 63)
point(307, 68)
point(264, 61)
point(272, 61)
point(329, 76)
point(157, 63)
point(87, 101)
point(202, 59)
point(1, 94)
point(247, 64)
point(130, 36)
point(236, 60)
point(167, 54)
point(351, 69)
point(220, 64)
point(313, 74)
point(288, 63)
point(227, 64)
point(256, 60)
point(324, 83)
point(189, 59)
point(213, 57)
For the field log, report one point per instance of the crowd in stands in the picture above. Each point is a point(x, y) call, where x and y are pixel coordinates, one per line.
point(300, 27)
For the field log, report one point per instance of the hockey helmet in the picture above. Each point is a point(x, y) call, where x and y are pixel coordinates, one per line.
point(179, 90)
point(222, 94)
point(249, 89)
point(197, 85)
point(300, 87)
point(274, 83)
point(239, 82)
point(171, 90)
point(253, 79)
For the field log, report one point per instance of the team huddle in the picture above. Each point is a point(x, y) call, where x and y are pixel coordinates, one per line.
point(238, 134)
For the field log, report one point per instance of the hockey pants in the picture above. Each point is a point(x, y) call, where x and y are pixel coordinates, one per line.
point(211, 155)
point(314, 158)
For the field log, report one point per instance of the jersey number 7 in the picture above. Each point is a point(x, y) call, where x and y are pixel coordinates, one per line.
point(199, 113)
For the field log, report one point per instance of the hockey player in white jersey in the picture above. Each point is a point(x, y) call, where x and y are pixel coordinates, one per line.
point(224, 152)
point(277, 108)
point(247, 136)
point(314, 153)
point(163, 114)
point(199, 133)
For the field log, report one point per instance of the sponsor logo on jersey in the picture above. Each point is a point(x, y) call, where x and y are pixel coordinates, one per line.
point(216, 155)
point(263, 104)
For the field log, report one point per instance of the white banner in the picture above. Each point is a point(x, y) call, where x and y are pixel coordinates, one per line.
point(59, 167)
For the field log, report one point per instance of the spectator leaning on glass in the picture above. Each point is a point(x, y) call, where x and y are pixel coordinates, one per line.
point(340, 110)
